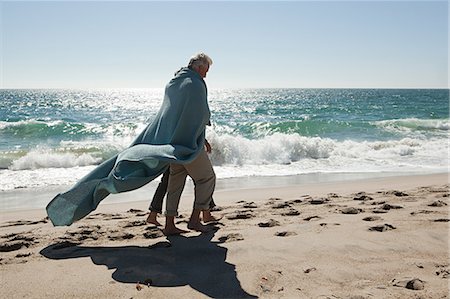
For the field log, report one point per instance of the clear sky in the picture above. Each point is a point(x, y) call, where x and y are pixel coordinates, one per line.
point(304, 44)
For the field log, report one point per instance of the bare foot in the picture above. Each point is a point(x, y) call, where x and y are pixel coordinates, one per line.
point(173, 231)
point(210, 218)
point(197, 226)
point(152, 219)
point(207, 217)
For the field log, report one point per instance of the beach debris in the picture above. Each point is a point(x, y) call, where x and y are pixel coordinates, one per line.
point(290, 212)
point(382, 228)
point(438, 203)
point(332, 195)
point(351, 210)
point(372, 218)
point(231, 238)
point(269, 223)
point(20, 255)
point(285, 234)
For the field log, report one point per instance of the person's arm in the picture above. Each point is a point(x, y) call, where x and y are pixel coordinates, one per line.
point(208, 147)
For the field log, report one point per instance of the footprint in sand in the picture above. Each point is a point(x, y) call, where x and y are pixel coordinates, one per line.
point(362, 196)
point(412, 284)
point(438, 203)
point(269, 223)
point(318, 201)
point(233, 237)
point(388, 207)
point(281, 205)
point(24, 222)
point(13, 246)
point(250, 205)
point(285, 234)
point(119, 236)
point(441, 220)
point(240, 215)
point(311, 218)
point(138, 212)
point(372, 218)
point(351, 210)
point(134, 223)
point(382, 228)
point(396, 193)
point(153, 233)
point(290, 212)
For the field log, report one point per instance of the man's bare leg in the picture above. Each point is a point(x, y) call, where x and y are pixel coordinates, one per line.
point(152, 219)
point(207, 217)
point(170, 228)
point(195, 224)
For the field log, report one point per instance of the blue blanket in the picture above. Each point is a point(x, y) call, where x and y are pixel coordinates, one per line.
point(176, 135)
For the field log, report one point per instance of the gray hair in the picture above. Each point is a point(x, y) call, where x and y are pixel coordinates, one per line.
point(200, 59)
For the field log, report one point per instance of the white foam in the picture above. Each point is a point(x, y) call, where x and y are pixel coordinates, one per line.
point(47, 159)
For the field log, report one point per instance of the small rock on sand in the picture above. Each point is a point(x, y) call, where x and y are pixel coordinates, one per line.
point(239, 215)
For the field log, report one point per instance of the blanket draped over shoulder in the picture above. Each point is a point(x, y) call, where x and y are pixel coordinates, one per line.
point(176, 135)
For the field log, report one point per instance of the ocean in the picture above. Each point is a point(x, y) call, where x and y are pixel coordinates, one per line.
point(55, 137)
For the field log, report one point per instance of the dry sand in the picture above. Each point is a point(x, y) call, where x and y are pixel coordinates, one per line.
point(374, 238)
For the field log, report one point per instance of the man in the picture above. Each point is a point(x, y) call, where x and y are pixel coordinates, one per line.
point(188, 83)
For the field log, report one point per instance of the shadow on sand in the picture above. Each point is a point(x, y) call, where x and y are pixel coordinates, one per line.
point(195, 261)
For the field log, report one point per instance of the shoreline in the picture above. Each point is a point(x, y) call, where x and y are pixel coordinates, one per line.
point(228, 190)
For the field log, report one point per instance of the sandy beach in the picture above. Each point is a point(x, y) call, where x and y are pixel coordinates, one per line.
point(384, 237)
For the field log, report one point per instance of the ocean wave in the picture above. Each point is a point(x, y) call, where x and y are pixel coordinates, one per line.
point(38, 128)
point(284, 149)
point(414, 124)
point(38, 159)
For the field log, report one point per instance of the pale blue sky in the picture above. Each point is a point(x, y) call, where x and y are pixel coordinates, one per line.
point(300, 44)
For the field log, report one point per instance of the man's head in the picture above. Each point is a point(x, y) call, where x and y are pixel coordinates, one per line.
point(200, 63)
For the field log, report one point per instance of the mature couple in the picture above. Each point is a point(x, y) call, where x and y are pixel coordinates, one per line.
point(187, 86)
point(173, 144)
